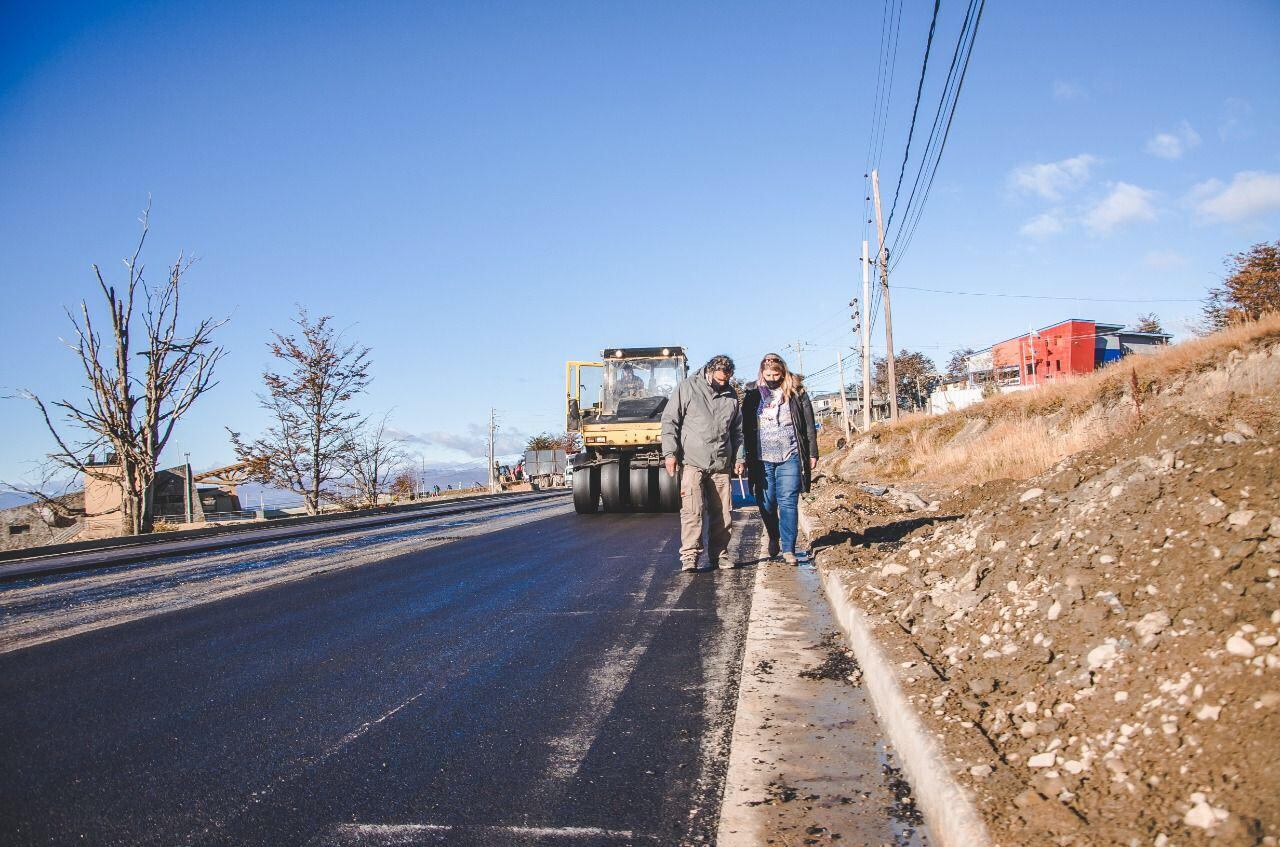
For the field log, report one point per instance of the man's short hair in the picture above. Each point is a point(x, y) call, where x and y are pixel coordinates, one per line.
point(721, 362)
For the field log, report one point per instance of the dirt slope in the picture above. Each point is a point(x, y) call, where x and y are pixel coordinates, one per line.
point(1097, 644)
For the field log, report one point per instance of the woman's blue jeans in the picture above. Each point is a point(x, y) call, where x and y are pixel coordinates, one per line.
point(779, 501)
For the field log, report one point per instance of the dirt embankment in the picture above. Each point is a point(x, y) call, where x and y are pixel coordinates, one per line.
point(1096, 644)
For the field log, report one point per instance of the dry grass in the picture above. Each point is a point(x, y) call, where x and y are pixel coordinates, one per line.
point(1019, 435)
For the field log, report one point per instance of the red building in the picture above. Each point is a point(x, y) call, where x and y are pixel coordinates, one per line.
point(1069, 348)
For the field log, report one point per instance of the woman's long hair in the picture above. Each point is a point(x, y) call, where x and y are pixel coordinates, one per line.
point(792, 383)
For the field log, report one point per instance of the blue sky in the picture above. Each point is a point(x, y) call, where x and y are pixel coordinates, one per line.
point(479, 191)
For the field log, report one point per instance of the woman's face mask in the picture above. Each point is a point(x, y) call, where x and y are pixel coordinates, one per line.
point(772, 377)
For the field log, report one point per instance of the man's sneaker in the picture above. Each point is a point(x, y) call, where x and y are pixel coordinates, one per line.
point(688, 565)
point(789, 558)
point(726, 564)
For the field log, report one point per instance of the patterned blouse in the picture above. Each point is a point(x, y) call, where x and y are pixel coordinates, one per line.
point(777, 434)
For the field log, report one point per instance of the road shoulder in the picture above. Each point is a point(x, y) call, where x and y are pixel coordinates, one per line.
point(808, 763)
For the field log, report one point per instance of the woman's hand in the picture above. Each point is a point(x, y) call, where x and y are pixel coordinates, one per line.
point(813, 464)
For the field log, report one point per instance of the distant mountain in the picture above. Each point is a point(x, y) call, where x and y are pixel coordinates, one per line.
point(9, 499)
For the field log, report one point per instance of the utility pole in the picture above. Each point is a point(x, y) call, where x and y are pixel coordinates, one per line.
point(866, 339)
point(186, 490)
point(884, 293)
point(493, 428)
point(799, 358)
point(844, 402)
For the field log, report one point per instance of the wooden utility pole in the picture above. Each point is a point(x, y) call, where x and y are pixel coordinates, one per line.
point(844, 402)
point(799, 358)
point(884, 293)
point(866, 338)
point(493, 475)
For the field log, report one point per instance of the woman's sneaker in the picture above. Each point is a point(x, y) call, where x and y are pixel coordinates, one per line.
point(789, 558)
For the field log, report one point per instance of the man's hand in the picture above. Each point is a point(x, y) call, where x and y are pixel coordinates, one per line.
point(813, 463)
point(739, 468)
point(671, 465)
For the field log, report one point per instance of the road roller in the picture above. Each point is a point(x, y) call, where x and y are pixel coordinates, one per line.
point(615, 405)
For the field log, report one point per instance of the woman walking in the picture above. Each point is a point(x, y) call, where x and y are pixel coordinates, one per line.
point(781, 441)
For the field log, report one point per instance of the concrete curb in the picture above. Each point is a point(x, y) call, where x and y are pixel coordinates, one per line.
point(947, 808)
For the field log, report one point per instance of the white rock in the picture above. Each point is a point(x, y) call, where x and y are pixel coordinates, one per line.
point(1208, 713)
point(1238, 646)
point(1241, 517)
point(893, 570)
point(1030, 494)
point(1264, 641)
point(1121, 696)
point(1073, 767)
point(1116, 490)
point(1152, 624)
point(999, 545)
point(1232, 438)
point(1041, 760)
point(1107, 560)
point(980, 770)
point(1055, 610)
point(1028, 729)
point(1106, 653)
point(1203, 815)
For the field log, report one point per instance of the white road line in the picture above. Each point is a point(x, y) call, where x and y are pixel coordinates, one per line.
point(404, 833)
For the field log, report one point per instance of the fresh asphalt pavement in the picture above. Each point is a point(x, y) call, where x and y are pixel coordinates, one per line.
point(557, 682)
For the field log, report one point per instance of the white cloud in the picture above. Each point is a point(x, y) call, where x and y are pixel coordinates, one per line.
point(474, 442)
point(1053, 179)
point(1124, 205)
point(1251, 194)
point(1235, 119)
point(1164, 259)
point(1043, 226)
point(1172, 145)
point(1063, 90)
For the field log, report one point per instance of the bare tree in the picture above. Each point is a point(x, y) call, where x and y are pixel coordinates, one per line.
point(130, 413)
point(372, 461)
point(958, 365)
point(312, 430)
point(1150, 322)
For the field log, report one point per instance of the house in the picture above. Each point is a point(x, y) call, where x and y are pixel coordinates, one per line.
point(177, 497)
point(1069, 348)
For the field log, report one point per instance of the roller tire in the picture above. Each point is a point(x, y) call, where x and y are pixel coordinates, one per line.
point(586, 491)
point(613, 486)
point(668, 491)
point(642, 493)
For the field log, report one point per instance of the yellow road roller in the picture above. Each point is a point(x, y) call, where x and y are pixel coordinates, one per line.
point(615, 405)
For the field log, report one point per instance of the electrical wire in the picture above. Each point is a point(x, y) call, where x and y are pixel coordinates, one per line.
point(911, 130)
point(1048, 296)
point(955, 100)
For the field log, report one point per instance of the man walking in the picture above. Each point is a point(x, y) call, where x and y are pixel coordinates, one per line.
point(702, 435)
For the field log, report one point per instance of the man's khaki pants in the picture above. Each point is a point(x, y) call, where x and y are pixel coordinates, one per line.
point(704, 492)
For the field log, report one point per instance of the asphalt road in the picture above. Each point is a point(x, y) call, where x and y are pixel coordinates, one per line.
point(558, 682)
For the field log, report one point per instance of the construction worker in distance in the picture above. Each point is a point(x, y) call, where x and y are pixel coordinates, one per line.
point(702, 439)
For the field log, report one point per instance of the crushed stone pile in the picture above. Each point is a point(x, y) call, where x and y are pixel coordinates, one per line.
point(1096, 647)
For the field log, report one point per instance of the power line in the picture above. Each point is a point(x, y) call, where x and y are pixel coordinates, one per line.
point(973, 36)
point(924, 67)
point(1049, 296)
point(928, 156)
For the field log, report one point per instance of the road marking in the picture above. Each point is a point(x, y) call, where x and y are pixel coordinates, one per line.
point(408, 833)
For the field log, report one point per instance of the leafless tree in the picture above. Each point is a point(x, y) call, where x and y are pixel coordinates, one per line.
point(372, 461)
point(312, 426)
point(130, 411)
point(1150, 322)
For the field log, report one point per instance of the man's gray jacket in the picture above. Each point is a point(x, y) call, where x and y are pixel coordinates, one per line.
point(702, 425)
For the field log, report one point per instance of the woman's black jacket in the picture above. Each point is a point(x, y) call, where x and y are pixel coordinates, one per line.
point(806, 436)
